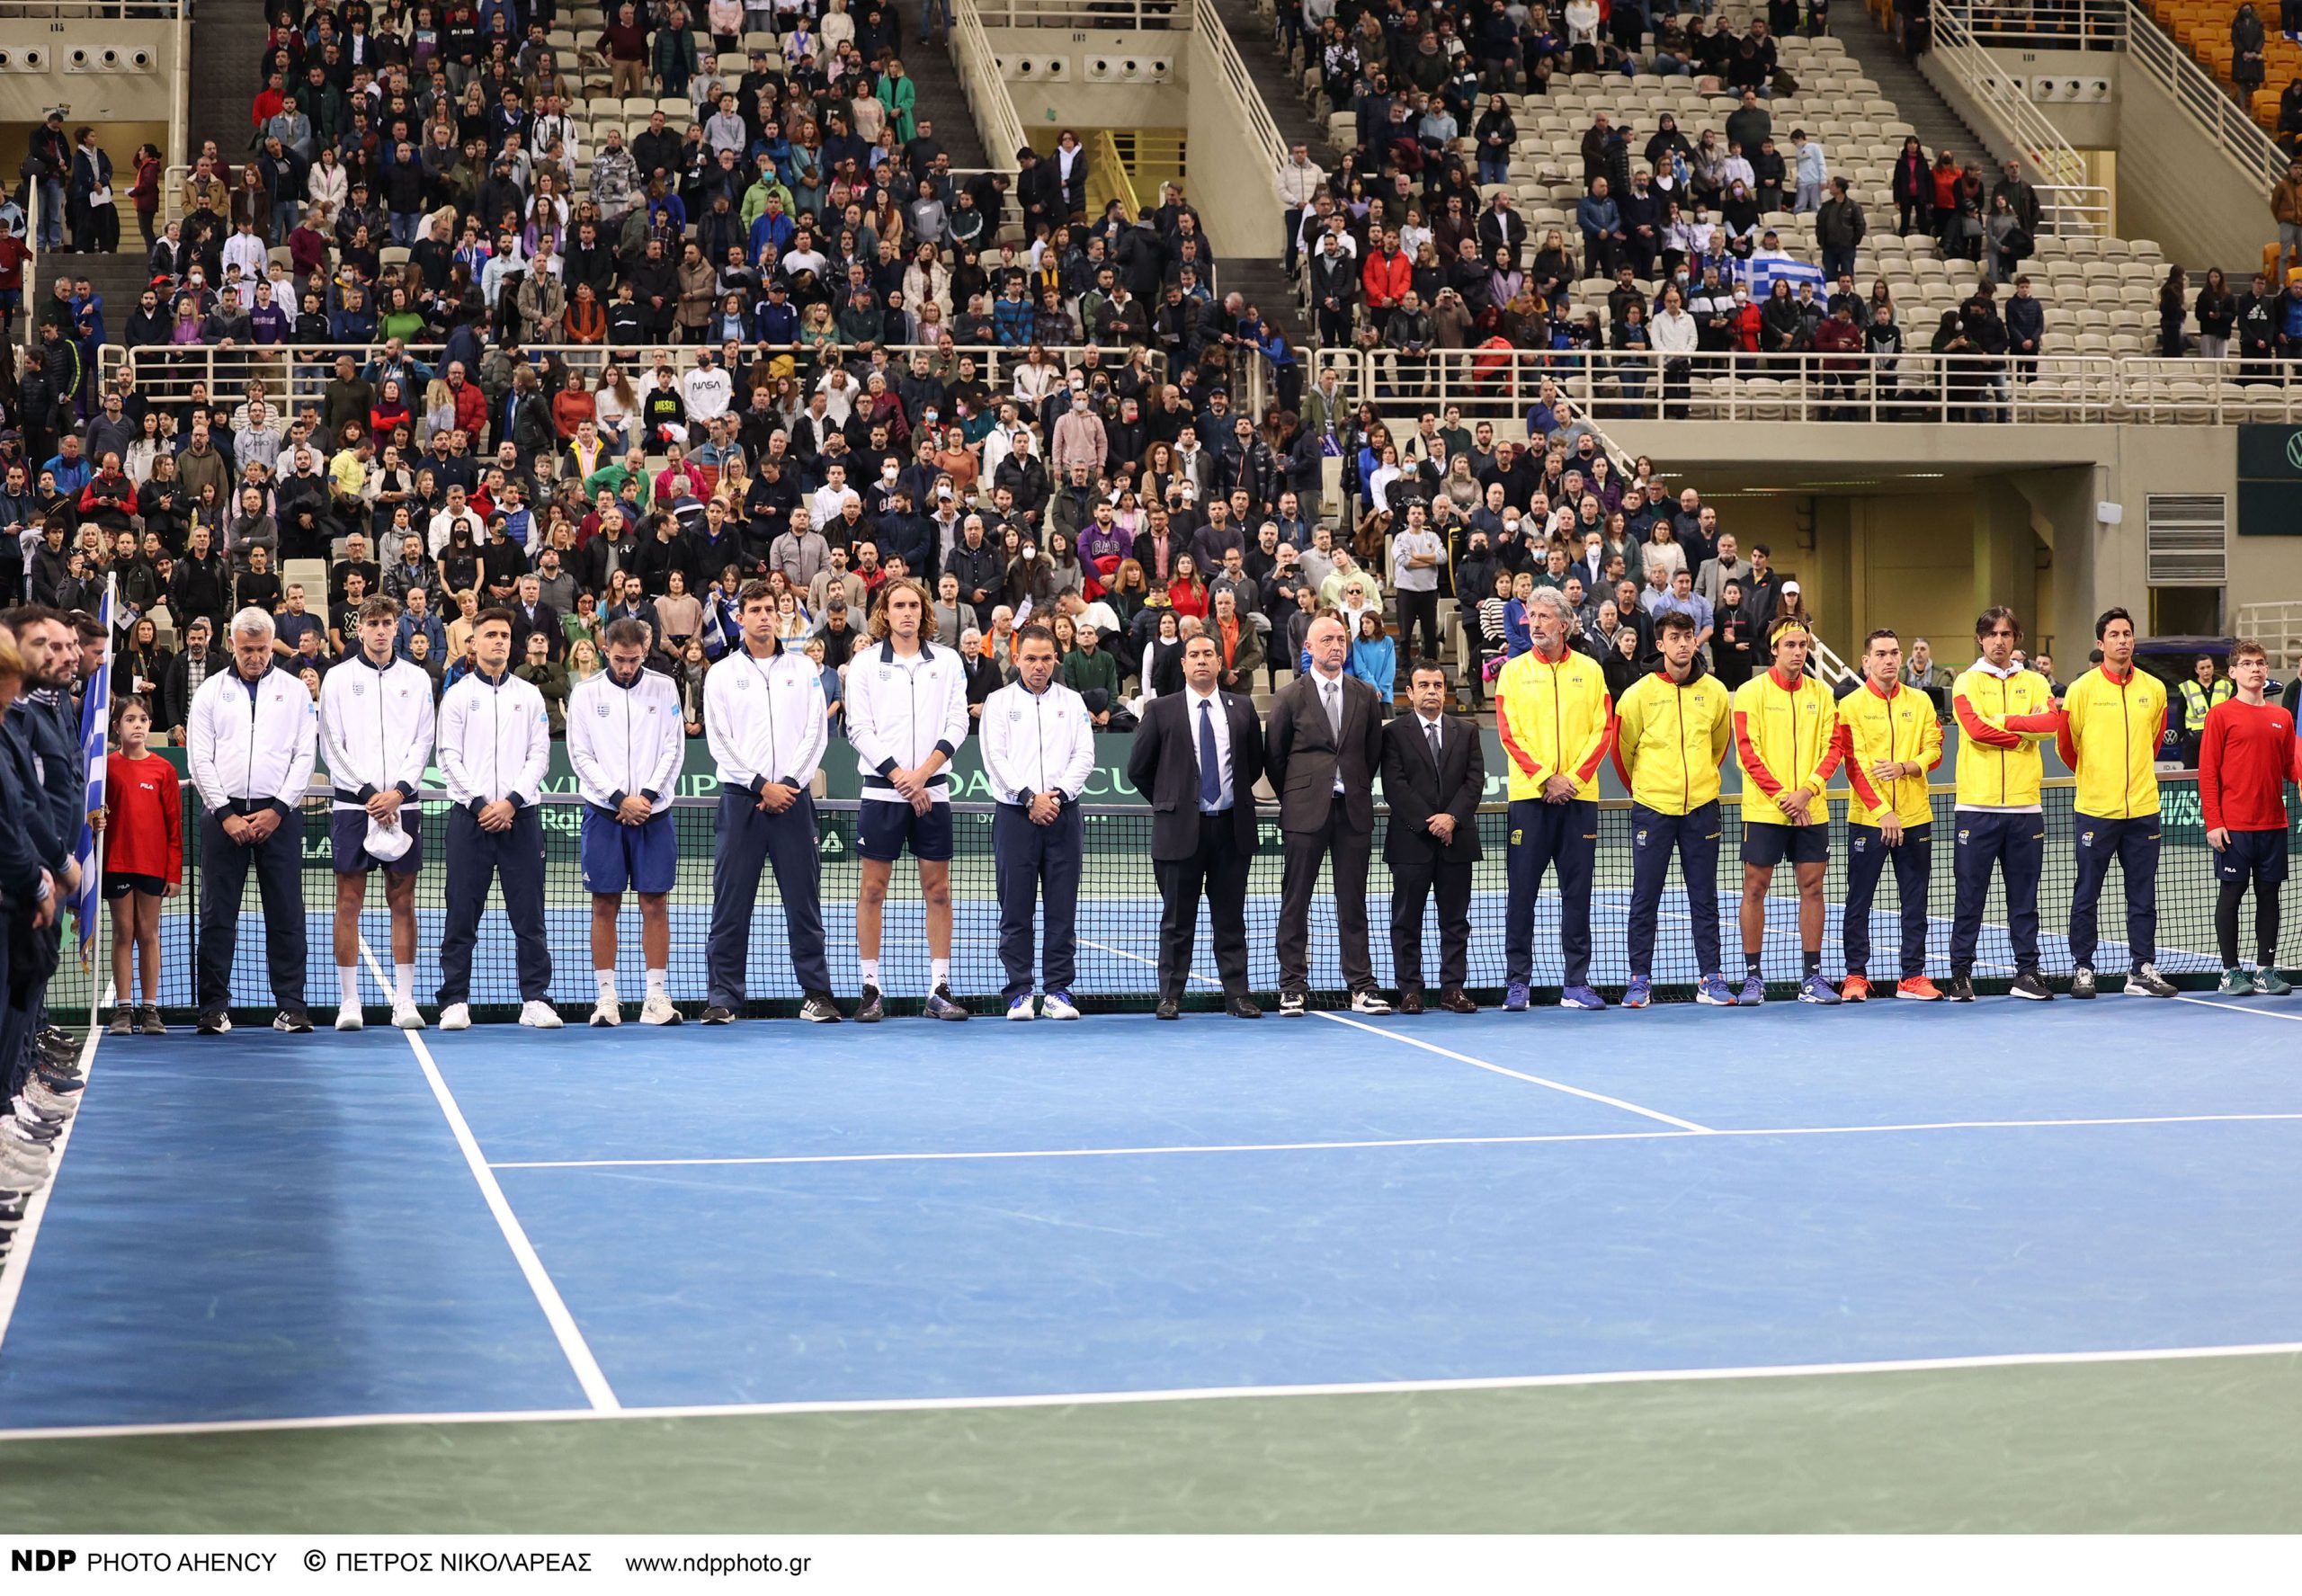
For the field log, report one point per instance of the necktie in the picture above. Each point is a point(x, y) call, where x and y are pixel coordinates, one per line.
point(1334, 708)
point(1431, 733)
point(1211, 762)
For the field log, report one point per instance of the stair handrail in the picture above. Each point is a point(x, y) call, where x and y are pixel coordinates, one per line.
point(2166, 63)
point(2071, 206)
point(983, 87)
point(1269, 146)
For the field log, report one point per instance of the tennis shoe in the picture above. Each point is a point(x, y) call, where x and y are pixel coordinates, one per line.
point(1918, 989)
point(151, 1024)
point(123, 1025)
point(1816, 989)
point(456, 1016)
point(1638, 993)
point(658, 1011)
point(2146, 982)
point(1713, 991)
point(1854, 989)
point(2269, 982)
point(1961, 990)
point(942, 1005)
point(215, 1023)
point(1514, 998)
point(819, 1010)
point(1023, 1008)
point(1057, 1005)
point(869, 1008)
point(539, 1015)
point(1752, 994)
point(293, 1021)
point(2237, 983)
point(407, 1016)
point(1581, 997)
point(2082, 982)
point(1293, 1006)
point(2027, 985)
point(607, 1011)
point(1369, 1002)
point(349, 1017)
point(722, 1015)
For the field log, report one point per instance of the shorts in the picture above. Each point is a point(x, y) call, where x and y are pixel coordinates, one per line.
point(1765, 845)
point(2257, 856)
point(619, 858)
point(118, 885)
point(347, 836)
point(882, 829)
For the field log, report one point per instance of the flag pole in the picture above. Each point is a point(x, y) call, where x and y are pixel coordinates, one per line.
point(100, 942)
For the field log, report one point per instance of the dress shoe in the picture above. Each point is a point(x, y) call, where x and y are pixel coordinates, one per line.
point(1240, 1008)
point(1410, 1003)
point(1456, 1000)
point(1169, 1009)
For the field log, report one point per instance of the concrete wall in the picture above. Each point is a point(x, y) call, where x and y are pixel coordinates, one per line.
point(2088, 124)
point(1235, 200)
point(2179, 187)
point(1071, 99)
point(2013, 519)
point(93, 96)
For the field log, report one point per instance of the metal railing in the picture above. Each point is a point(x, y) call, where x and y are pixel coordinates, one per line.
point(1107, 175)
point(1103, 16)
point(96, 9)
point(1269, 148)
point(1501, 386)
point(2044, 24)
point(2153, 51)
point(2276, 627)
point(2069, 205)
point(295, 375)
point(984, 86)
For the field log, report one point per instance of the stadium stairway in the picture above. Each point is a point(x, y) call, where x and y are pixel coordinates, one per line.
point(1929, 116)
point(224, 49)
point(941, 101)
point(1265, 282)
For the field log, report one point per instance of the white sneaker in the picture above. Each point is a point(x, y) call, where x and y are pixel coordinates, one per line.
point(605, 1013)
point(1057, 1005)
point(1369, 1002)
point(407, 1016)
point(539, 1016)
point(1023, 1008)
point(456, 1016)
point(349, 1017)
point(658, 1011)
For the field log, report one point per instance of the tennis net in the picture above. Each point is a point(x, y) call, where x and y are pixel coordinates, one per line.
point(1120, 911)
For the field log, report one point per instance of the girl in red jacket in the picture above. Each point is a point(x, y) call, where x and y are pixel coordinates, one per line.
point(143, 826)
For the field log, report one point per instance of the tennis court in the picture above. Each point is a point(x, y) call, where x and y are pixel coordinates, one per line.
point(2004, 1267)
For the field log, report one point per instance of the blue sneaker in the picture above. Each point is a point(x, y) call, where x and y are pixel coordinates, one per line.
point(1057, 1005)
point(1752, 994)
point(1581, 997)
point(1023, 1008)
point(1638, 994)
point(1714, 991)
point(1514, 998)
point(1815, 989)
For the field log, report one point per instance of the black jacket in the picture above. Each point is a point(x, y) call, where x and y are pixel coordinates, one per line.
point(1417, 790)
point(1164, 766)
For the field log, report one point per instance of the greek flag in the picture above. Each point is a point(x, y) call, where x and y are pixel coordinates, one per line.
point(95, 724)
point(1763, 271)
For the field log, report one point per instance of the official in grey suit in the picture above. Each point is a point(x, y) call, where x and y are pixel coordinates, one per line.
point(1198, 754)
point(1434, 774)
point(1323, 747)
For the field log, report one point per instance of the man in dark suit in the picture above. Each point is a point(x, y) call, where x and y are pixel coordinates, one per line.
point(1433, 776)
point(531, 615)
point(1197, 757)
point(1326, 744)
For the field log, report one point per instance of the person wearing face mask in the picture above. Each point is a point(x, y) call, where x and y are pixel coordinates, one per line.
point(1079, 438)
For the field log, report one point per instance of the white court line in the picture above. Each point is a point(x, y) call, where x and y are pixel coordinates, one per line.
point(572, 1343)
point(2207, 1003)
point(1612, 1103)
point(900, 1404)
point(11, 1274)
point(1434, 1141)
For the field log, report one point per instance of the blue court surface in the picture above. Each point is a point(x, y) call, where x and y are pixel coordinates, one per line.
point(265, 1228)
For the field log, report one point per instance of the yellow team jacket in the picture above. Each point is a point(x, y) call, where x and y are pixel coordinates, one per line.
point(1669, 738)
point(1872, 726)
point(2001, 721)
point(1784, 737)
point(1553, 719)
point(2109, 738)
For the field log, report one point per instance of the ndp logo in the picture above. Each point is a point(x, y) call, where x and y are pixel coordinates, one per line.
point(34, 1560)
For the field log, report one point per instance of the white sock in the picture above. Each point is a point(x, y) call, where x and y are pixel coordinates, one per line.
point(656, 982)
point(939, 973)
point(871, 971)
point(606, 979)
point(404, 982)
point(347, 981)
